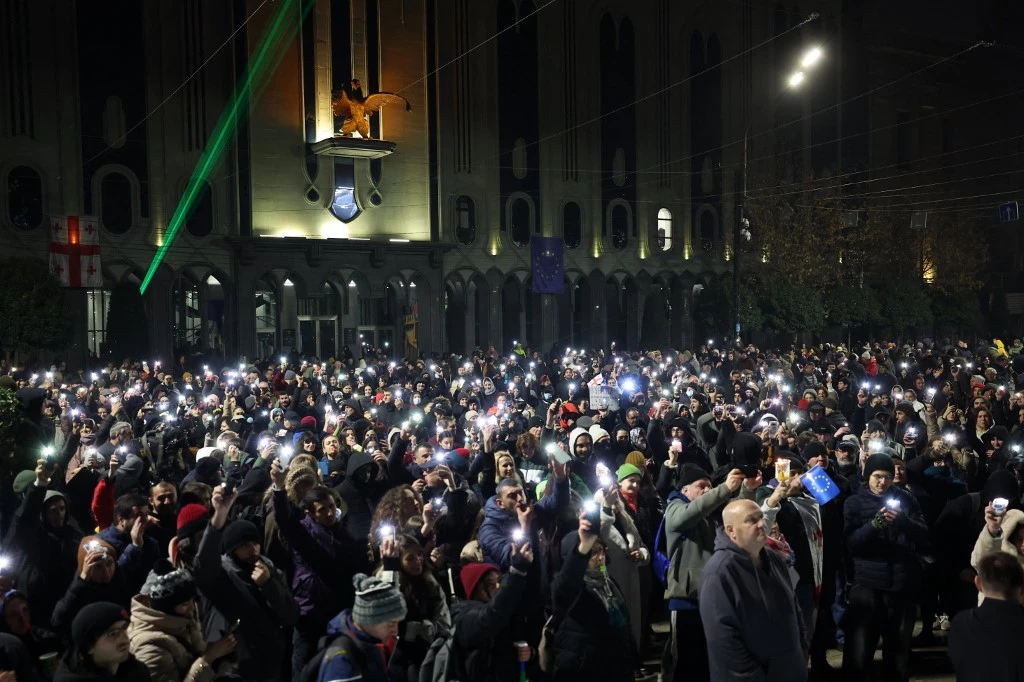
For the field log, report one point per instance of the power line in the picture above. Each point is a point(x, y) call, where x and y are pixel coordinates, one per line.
point(177, 89)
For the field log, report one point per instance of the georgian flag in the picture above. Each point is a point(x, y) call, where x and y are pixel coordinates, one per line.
point(75, 252)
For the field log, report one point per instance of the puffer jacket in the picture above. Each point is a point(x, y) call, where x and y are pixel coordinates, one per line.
point(170, 646)
point(495, 533)
point(885, 559)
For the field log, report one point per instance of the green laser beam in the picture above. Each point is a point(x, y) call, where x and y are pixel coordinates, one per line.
point(235, 110)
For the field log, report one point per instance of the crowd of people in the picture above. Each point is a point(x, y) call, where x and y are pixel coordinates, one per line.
point(517, 515)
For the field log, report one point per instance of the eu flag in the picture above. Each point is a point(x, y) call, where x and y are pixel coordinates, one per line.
point(548, 271)
point(819, 485)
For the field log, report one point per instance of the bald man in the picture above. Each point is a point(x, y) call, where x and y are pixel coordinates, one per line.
point(748, 606)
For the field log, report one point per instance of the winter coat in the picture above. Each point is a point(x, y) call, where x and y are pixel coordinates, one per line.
point(262, 614)
point(752, 620)
point(620, 537)
point(46, 559)
point(484, 633)
point(16, 658)
point(589, 643)
point(984, 643)
point(885, 559)
point(690, 537)
point(369, 663)
point(135, 563)
point(170, 646)
point(361, 498)
point(495, 533)
point(81, 593)
point(986, 544)
point(73, 668)
point(325, 560)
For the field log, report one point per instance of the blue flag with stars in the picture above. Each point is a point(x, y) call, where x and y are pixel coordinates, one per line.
point(820, 485)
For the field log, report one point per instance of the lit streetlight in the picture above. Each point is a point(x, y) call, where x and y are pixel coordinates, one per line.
point(808, 60)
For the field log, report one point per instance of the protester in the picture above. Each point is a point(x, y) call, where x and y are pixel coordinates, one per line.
point(984, 642)
point(750, 611)
point(272, 483)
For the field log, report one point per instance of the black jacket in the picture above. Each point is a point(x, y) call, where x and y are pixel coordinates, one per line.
point(47, 558)
point(484, 633)
point(984, 643)
point(885, 559)
point(81, 593)
point(360, 497)
point(262, 614)
point(588, 646)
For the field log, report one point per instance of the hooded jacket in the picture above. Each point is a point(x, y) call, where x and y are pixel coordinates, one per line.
point(360, 497)
point(751, 617)
point(47, 558)
point(495, 533)
point(170, 646)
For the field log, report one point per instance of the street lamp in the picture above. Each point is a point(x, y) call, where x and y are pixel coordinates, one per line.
point(808, 60)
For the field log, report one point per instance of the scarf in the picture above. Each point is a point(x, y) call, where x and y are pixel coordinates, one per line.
point(629, 499)
point(598, 583)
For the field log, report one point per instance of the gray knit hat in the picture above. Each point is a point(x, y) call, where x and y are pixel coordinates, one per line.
point(167, 587)
point(376, 601)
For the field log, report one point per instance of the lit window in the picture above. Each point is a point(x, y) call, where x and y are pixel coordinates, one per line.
point(664, 229)
point(97, 302)
point(465, 220)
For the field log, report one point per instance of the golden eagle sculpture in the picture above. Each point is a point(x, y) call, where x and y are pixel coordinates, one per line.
point(356, 109)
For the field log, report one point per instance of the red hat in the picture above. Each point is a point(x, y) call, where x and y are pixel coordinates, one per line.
point(308, 421)
point(463, 452)
point(471, 575)
point(191, 519)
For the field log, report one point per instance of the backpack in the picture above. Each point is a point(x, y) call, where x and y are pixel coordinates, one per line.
point(440, 664)
point(661, 561)
point(311, 671)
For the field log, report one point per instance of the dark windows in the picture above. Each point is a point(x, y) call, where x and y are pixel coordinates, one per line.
point(572, 225)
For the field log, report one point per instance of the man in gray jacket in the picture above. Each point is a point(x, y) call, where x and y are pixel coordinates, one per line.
point(690, 541)
point(751, 618)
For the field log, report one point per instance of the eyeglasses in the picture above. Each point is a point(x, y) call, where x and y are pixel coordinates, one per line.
point(116, 632)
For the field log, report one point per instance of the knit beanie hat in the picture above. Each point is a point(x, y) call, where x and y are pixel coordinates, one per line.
point(192, 518)
point(691, 473)
point(636, 458)
point(627, 470)
point(471, 575)
point(167, 587)
point(92, 621)
point(377, 601)
point(23, 480)
point(237, 533)
point(597, 433)
point(308, 422)
point(879, 462)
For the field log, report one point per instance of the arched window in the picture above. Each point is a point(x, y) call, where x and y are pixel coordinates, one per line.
point(200, 219)
point(620, 227)
point(707, 230)
point(465, 220)
point(572, 225)
point(664, 229)
point(520, 216)
point(116, 203)
point(24, 198)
